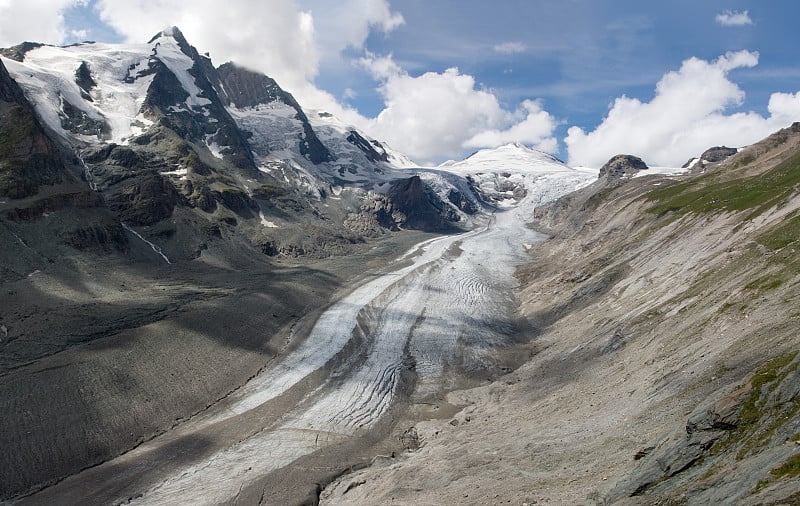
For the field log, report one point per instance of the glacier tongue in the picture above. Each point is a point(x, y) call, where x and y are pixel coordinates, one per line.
point(447, 310)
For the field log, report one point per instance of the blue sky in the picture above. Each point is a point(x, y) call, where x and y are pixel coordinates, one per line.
point(534, 71)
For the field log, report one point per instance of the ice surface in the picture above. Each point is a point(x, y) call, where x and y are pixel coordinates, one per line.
point(446, 303)
point(47, 76)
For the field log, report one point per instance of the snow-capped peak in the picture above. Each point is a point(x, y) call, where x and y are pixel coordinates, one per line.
point(513, 157)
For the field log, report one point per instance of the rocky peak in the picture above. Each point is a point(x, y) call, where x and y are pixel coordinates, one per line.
point(370, 149)
point(245, 88)
point(622, 166)
point(711, 156)
point(718, 153)
point(200, 124)
point(17, 53)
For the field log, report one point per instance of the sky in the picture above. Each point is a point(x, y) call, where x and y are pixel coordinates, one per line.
point(439, 79)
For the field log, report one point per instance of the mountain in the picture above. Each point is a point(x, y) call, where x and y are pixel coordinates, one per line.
point(166, 224)
point(164, 136)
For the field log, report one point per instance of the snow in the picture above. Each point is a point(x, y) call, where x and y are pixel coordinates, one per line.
point(510, 158)
point(167, 50)
point(47, 76)
point(442, 303)
point(213, 147)
point(265, 222)
point(154, 247)
point(176, 172)
point(664, 171)
point(330, 128)
point(48, 73)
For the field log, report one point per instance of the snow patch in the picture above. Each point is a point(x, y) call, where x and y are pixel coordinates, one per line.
point(266, 222)
point(167, 50)
point(664, 171)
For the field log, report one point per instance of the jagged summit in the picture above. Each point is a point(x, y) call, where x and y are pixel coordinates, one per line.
point(171, 31)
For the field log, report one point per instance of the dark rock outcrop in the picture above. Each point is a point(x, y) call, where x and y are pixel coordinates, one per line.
point(409, 204)
point(369, 150)
point(245, 88)
point(17, 52)
point(461, 201)
point(145, 200)
point(718, 153)
point(28, 158)
point(84, 79)
point(724, 442)
point(622, 166)
point(710, 157)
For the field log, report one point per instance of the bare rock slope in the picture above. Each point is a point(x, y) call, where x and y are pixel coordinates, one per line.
point(664, 369)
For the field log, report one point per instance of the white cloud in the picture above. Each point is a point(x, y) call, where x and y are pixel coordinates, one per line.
point(81, 34)
point(274, 37)
point(349, 94)
point(285, 39)
point(437, 115)
point(33, 20)
point(510, 48)
point(535, 127)
point(734, 18)
point(381, 67)
point(347, 23)
point(686, 116)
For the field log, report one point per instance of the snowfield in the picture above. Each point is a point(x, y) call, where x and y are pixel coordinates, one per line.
point(47, 76)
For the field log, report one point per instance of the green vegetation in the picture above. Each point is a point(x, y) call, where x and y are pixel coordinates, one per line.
point(790, 468)
point(711, 192)
point(765, 283)
point(788, 232)
point(758, 423)
point(768, 373)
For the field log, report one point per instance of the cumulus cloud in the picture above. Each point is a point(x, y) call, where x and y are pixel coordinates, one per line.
point(285, 39)
point(510, 48)
point(436, 115)
point(688, 114)
point(347, 23)
point(33, 20)
point(734, 18)
point(274, 37)
point(535, 127)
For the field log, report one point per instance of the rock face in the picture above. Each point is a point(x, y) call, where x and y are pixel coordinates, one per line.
point(718, 153)
point(709, 158)
point(369, 150)
point(622, 166)
point(410, 205)
point(28, 158)
point(245, 88)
